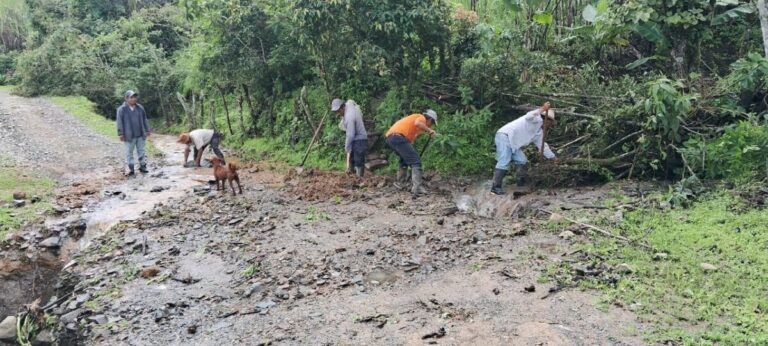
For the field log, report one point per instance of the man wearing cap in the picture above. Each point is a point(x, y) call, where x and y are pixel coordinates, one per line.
point(356, 142)
point(133, 129)
point(400, 138)
point(510, 140)
point(199, 140)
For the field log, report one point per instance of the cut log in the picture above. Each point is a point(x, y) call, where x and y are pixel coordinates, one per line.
point(375, 164)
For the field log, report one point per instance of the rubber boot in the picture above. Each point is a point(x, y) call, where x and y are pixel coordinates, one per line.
point(522, 175)
point(143, 168)
point(360, 171)
point(522, 180)
point(131, 171)
point(416, 177)
point(402, 178)
point(498, 178)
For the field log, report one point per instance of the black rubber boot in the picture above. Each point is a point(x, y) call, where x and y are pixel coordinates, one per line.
point(417, 188)
point(522, 176)
point(498, 178)
point(402, 178)
point(131, 171)
point(143, 168)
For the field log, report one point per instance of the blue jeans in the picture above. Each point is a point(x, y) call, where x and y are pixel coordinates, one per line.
point(506, 154)
point(138, 144)
point(404, 149)
point(359, 148)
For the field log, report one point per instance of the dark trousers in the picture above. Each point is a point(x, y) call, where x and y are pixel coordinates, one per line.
point(408, 155)
point(359, 149)
point(215, 141)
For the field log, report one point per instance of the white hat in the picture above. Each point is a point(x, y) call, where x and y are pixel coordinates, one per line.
point(336, 104)
point(432, 114)
point(551, 114)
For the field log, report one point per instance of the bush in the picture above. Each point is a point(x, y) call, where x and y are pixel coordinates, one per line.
point(739, 155)
point(8, 67)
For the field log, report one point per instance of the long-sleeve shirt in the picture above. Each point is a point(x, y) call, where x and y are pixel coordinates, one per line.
point(352, 124)
point(132, 123)
point(526, 129)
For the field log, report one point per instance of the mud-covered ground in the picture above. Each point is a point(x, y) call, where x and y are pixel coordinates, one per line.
point(316, 259)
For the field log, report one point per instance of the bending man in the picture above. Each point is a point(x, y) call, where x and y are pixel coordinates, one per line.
point(199, 140)
point(400, 138)
point(356, 142)
point(510, 140)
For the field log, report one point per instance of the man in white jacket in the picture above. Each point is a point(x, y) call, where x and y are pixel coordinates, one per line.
point(510, 140)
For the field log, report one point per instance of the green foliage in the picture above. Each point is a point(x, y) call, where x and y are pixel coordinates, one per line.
point(739, 155)
point(724, 306)
point(667, 107)
point(463, 146)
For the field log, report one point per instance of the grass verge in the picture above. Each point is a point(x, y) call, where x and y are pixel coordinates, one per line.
point(7, 87)
point(83, 109)
point(685, 300)
point(13, 180)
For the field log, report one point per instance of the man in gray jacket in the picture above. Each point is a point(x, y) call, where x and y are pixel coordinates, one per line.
point(133, 129)
point(356, 142)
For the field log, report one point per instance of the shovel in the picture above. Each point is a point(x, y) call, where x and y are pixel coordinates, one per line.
point(300, 169)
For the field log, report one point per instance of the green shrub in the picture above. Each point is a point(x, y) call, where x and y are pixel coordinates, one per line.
point(740, 154)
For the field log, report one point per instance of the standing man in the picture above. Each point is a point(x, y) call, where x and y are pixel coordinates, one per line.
point(510, 140)
point(199, 140)
point(400, 138)
point(133, 129)
point(356, 142)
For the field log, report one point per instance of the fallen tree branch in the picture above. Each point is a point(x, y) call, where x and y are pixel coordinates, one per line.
point(600, 230)
point(598, 97)
point(622, 140)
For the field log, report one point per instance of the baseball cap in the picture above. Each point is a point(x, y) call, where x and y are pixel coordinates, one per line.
point(432, 114)
point(336, 104)
point(130, 93)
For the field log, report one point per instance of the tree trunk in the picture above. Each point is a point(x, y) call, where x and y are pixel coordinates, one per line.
point(213, 115)
point(240, 100)
point(473, 5)
point(226, 109)
point(254, 118)
point(762, 10)
point(190, 112)
point(202, 107)
point(678, 58)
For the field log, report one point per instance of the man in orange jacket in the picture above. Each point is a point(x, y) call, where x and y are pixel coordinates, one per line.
point(400, 138)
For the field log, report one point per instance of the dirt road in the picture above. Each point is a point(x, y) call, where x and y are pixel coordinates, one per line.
point(367, 265)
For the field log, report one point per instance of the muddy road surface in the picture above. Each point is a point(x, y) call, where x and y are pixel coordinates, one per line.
point(314, 259)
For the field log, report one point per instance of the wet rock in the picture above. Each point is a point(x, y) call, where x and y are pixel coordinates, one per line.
point(19, 195)
point(77, 228)
point(98, 319)
point(708, 267)
point(422, 240)
point(530, 288)
point(281, 294)
point(8, 329)
point(255, 288)
point(434, 335)
point(566, 235)
point(370, 252)
point(51, 243)
point(479, 236)
point(192, 329)
point(265, 305)
point(44, 338)
point(157, 189)
point(35, 199)
point(496, 291)
point(70, 317)
point(201, 189)
point(18, 203)
point(660, 256)
point(60, 209)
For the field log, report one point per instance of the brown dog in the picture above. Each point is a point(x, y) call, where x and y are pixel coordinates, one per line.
point(223, 174)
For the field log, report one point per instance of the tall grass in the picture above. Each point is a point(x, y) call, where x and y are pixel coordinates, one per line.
point(14, 24)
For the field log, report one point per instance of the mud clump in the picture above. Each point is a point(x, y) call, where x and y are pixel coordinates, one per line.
point(314, 185)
